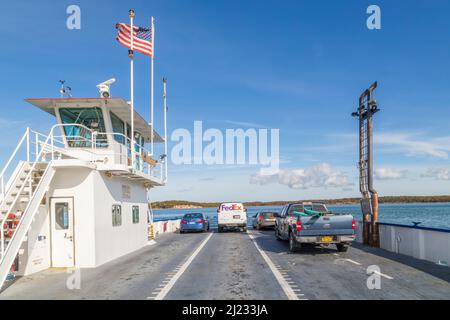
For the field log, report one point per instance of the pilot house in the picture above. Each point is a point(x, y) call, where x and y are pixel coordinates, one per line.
point(79, 196)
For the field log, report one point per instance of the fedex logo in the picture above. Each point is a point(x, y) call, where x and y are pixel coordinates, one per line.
point(231, 207)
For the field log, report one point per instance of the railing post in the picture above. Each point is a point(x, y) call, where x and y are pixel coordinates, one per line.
point(3, 187)
point(37, 146)
point(2, 238)
point(28, 144)
point(51, 139)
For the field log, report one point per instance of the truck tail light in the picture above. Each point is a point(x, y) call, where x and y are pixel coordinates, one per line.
point(353, 224)
point(261, 218)
point(299, 225)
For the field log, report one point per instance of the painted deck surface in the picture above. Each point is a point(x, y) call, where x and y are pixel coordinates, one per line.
point(230, 266)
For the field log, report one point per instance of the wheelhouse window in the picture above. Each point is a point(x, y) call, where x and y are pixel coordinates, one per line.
point(77, 121)
point(118, 126)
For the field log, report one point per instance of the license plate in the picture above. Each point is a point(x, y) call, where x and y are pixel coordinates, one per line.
point(192, 222)
point(236, 217)
point(327, 239)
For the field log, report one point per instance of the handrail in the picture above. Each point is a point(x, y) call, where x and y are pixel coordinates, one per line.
point(2, 174)
point(28, 177)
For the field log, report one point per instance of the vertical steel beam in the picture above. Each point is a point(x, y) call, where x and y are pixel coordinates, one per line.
point(369, 202)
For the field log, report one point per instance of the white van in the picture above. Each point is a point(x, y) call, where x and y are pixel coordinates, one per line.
point(232, 215)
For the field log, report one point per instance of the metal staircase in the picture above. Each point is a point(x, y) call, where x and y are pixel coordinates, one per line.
point(21, 196)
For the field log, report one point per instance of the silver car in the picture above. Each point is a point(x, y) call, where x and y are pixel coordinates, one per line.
point(264, 220)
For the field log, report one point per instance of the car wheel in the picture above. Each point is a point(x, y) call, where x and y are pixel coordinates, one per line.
point(341, 247)
point(277, 235)
point(293, 245)
point(219, 229)
point(181, 231)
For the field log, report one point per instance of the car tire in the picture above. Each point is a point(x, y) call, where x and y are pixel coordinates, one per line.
point(294, 246)
point(219, 229)
point(341, 247)
point(181, 231)
point(277, 235)
point(244, 229)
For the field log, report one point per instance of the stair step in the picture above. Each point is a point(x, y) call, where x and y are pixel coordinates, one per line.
point(24, 193)
point(32, 184)
point(21, 200)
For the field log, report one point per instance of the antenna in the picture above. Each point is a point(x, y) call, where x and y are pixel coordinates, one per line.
point(65, 91)
point(62, 91)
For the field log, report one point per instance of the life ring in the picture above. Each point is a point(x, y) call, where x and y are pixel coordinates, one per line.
point(10, 233)
point(5, 229)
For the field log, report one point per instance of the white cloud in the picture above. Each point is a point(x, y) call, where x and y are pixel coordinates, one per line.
point(390, 174)
point(321, 175)
point(410, 144)
point(437, 173)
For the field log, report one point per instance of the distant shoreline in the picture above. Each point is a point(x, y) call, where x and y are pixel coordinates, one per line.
point(182, 204)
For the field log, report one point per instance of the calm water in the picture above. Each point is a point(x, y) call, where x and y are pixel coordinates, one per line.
point(430, 214)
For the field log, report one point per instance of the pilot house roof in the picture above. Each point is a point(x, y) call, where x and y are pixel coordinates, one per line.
point(117, 105)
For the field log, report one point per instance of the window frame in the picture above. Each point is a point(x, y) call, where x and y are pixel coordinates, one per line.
point(118, 138)
point(116, 211)
point(104, 142)
point(135, 218)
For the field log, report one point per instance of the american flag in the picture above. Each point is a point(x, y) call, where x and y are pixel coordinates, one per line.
point(142, 38)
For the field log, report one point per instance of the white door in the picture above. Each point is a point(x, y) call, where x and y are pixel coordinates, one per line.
point(62, 232)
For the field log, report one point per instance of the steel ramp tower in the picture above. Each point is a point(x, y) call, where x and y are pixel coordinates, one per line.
point(369, 202)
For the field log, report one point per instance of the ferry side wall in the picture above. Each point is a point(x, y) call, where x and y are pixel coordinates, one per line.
point(114, 241)
point(429, 244)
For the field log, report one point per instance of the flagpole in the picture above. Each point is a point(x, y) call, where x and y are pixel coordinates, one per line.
point(130, 54)
point(165, 129)
point(152, 83)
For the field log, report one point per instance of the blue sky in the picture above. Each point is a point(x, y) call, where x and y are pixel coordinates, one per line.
point(294, 65)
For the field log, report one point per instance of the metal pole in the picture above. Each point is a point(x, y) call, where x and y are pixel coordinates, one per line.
point(130, 54)
point(152, 84)
point(363, 174)
point(28, 144)
point(374, 240)
point(165, 129)
point(37, 146)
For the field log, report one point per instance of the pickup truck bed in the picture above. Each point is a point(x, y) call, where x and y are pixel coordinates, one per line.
point(301, 225)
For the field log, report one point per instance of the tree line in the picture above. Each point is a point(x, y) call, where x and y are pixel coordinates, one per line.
point(170, 204)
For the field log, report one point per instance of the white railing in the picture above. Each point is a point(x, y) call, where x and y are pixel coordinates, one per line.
point(50, 145)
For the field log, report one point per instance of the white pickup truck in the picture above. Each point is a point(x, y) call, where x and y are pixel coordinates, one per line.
point(232, 215)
